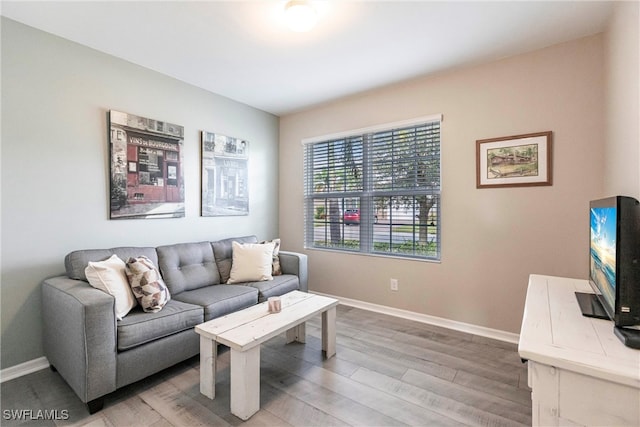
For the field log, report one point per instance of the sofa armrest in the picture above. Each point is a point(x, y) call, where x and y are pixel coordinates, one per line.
point(79, 335)
point(295, 263)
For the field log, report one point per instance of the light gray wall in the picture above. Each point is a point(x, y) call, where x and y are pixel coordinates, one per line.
point(55, 99)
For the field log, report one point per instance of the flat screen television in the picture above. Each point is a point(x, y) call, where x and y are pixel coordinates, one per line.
point(614, 266)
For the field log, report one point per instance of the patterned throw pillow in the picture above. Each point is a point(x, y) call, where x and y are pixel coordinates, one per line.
point(276, 270)
point(146, 284)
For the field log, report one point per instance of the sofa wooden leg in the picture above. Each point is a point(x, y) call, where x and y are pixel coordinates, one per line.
point(95, 405)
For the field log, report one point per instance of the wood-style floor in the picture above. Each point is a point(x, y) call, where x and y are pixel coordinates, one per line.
point(387, 372)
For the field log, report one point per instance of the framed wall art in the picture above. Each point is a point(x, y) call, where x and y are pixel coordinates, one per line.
point(146, 177)
point(514, 161)
point(225, 175)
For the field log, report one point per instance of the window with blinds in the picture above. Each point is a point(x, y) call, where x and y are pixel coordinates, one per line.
point(375, 191)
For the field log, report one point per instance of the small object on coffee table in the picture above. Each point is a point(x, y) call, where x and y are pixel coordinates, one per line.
point(275, 304)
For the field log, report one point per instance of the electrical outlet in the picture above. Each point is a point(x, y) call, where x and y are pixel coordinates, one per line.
point(394, 284)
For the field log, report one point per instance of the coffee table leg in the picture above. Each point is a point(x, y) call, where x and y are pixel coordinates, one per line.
point(208, 355)
point(245, 382)
point(297, 333)
point(329, 332)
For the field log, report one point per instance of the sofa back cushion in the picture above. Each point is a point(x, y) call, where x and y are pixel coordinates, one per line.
point(187, 266)
point(223, 253)
point(76, 261)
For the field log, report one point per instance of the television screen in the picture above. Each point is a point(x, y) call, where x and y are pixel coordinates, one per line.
point(614, 266)
point(603, 254)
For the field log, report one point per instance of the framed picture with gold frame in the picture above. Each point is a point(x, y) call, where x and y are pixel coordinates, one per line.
point(514, 161)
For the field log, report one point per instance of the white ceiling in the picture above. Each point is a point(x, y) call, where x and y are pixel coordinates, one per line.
point(243, 50)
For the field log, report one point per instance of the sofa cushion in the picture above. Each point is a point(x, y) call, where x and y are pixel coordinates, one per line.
point(280, 285)
point(223, 253)
point(221, 299)
point(147, 284)
point(187, 266)
point(252, 262)
point(109, 276)
point(139, 327)
point(75, 262)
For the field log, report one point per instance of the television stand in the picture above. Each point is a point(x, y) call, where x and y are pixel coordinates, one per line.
point(578, 370)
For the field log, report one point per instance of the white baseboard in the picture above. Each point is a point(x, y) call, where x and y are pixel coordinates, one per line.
point(25, 368)
point(495, 334)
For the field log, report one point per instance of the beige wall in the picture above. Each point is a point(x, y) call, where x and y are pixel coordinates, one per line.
point(492, 239)
point(622, 83)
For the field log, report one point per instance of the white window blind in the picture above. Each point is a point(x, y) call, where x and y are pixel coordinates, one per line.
point(375, 191)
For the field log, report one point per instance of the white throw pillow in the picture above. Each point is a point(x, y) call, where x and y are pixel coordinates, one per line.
point(251, 262)
point(109, 276)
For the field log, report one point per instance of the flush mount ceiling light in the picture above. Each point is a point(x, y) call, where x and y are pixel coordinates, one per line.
point(301, 16)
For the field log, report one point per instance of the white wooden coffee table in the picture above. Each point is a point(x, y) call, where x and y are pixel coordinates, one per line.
point(245, 330)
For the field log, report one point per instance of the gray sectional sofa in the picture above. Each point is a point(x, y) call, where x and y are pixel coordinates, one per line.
point(96, 353)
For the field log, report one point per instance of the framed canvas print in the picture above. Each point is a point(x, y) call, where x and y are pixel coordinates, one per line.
point(146, 178)
point(225, 175)
point(514, 161)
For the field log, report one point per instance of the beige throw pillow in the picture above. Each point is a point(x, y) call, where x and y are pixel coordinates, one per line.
point(109, 276)
point(252, 262)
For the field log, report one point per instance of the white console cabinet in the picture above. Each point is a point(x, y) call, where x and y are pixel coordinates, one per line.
point(580, 373)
